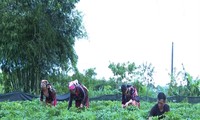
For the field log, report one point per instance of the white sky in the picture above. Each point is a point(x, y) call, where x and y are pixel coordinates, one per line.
point(140, 31)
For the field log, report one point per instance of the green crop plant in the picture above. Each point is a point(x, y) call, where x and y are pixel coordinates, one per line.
point(98, 110)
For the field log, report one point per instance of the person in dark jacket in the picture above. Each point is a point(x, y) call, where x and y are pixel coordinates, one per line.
point(48, 92)
point(160, 107)
point(79, 93)
point(129, 96)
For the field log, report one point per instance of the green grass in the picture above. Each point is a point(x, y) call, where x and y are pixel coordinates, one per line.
point(98, 110)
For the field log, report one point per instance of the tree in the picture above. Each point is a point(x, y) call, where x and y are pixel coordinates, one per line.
point(119, 70)
point(37, 40)
point(173, 85)
point(184, 84)
point(145, 72)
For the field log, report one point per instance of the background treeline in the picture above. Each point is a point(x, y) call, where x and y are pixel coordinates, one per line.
point(37, 40)
point(140, 76)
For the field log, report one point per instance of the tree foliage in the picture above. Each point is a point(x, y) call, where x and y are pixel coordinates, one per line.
point(183, 84)
point(130, 72)
point(141, 76)
point(37, 39)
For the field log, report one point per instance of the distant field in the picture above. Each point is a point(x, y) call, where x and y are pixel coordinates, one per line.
point(99, 110)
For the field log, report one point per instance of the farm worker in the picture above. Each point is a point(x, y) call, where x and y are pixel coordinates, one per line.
point(130, 96)
point(160, 107)
point(79, 93)
point(49, 92)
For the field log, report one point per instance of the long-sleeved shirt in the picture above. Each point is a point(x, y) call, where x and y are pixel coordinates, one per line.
point(80, 94)
point(131, 94)
point(50, 98)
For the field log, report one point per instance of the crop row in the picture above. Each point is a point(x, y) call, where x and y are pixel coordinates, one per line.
point(98, 110)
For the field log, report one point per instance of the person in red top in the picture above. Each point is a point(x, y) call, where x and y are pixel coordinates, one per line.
point(79, 93)
point(129, 96)
point(49, 92)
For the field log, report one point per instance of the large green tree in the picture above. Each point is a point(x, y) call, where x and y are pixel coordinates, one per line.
point(37, 39)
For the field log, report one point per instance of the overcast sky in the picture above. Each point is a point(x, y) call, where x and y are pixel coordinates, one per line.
point(140, 31)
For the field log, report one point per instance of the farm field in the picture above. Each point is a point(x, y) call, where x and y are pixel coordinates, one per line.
point(99, 110)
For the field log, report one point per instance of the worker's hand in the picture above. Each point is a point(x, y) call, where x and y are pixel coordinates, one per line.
point(49, 86)
point(150, 118)
point(81, 105)
point(126, 104)
point(123, 106)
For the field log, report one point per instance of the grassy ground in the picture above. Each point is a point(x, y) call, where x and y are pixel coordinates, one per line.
point(98, 110)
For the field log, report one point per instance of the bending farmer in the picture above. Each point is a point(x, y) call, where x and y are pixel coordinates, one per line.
point(49, 92)
point(79, 93)
point(129, 96)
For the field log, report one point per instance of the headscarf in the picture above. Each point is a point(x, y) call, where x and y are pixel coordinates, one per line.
point(71, 85)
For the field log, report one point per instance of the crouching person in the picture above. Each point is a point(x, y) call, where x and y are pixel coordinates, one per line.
point(79, 93)
point(160, 107)
point(130, 96)
point(49, 92)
